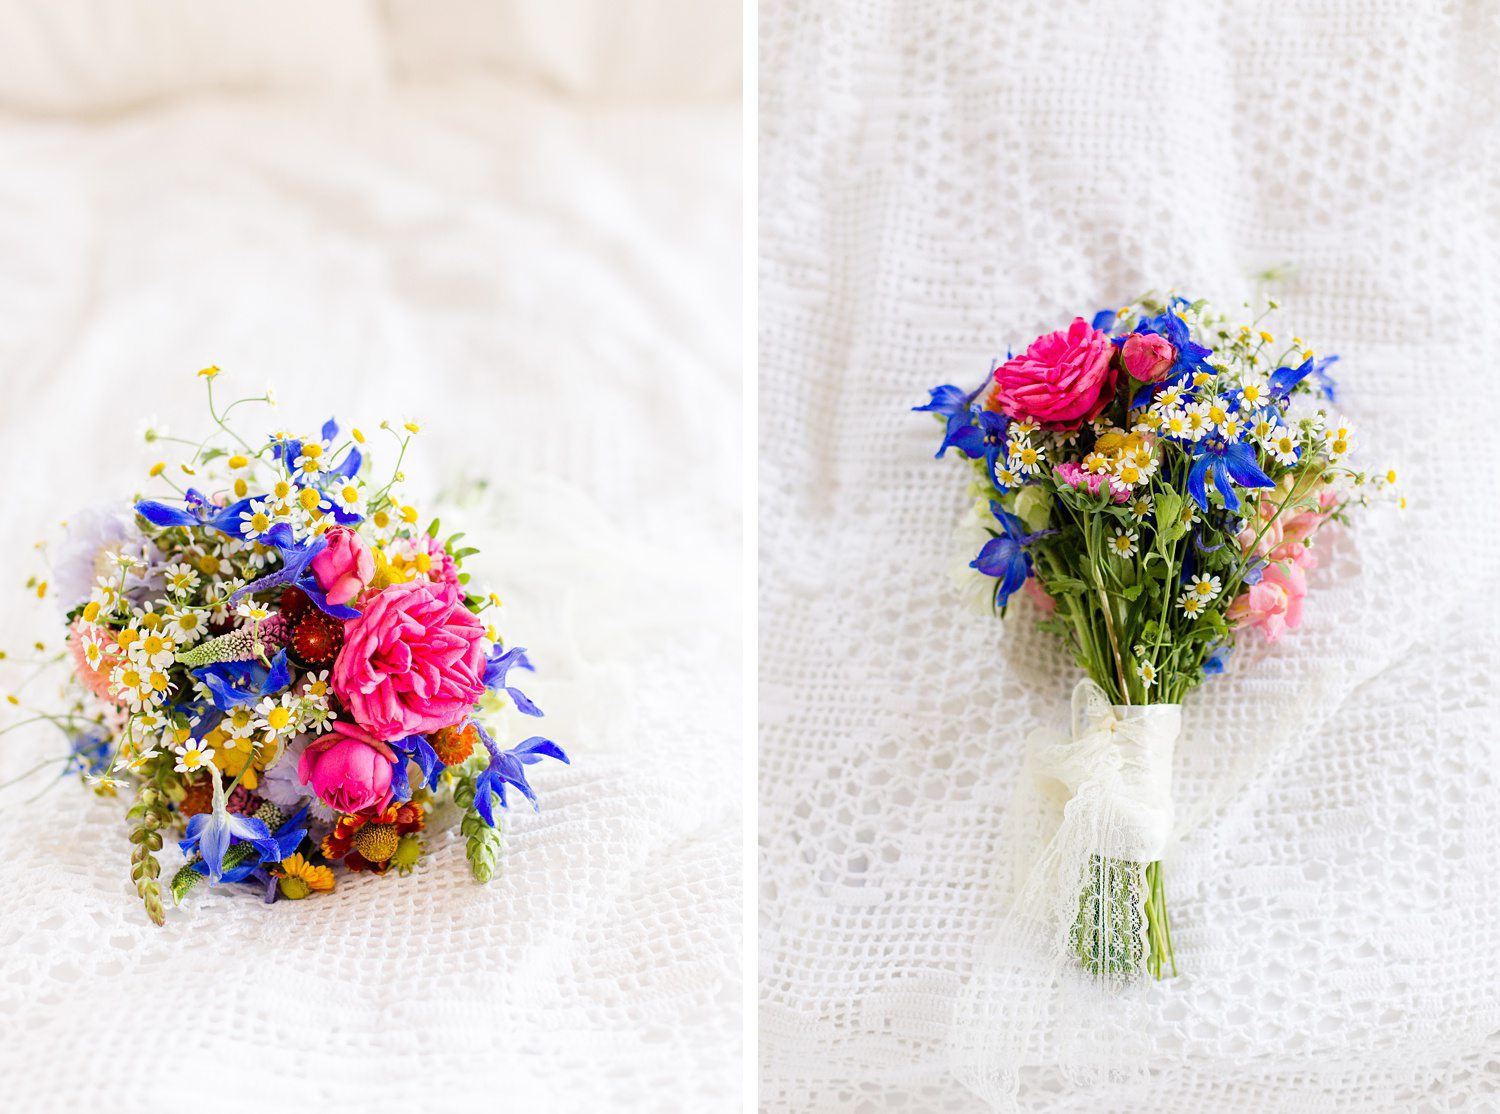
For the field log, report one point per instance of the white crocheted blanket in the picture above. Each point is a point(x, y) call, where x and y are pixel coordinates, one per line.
point(941, 181)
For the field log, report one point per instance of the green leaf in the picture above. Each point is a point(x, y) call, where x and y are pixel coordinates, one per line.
point(433, 527)
point(183, 881)
point(1059, 583)
point(467, 551)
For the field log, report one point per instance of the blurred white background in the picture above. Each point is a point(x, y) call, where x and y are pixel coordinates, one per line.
point(520, 224)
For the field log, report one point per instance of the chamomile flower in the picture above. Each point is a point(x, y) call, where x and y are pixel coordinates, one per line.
point(186, 626)
point(153, 649)
point(1026, 458)
point(238, 724)
point(1338, 439)
point(1096, 463)
point(1283, 447)
point(256, 521)
point(277, 717)
point(92, 649)
point(138, 687)
point(1124, 543)
point(1170, 399)
point(317, 715)
point(1174, 423)
point(1191, 605)
point(1265, 425)
point(1230, 429)
point(1140, 508)
point(1005, 479)
point(1253, 394)
point(181, 578)
point(254, 612)
point(1205, 587)
point(1147, 673)
point(310, 463)
point(1195, 417)
point(349, 497)
point(1127, 473)
point(1220, 410)
point(194, 755)
point(1023, 428)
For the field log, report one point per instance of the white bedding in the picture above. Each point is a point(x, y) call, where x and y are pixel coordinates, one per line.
point(941, 181)
point(554, 292)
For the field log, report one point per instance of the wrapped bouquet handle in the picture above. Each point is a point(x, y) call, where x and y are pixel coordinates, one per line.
point(1118, 764)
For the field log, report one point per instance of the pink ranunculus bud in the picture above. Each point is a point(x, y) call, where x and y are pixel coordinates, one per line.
point(1062, 380)
point(349, 769)
point(345, 566)
point(1148, 356)
point(412, 662)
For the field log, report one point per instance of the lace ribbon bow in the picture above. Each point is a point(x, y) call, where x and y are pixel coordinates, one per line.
point(1118, 770)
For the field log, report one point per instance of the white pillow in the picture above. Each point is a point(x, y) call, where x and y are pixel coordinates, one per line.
point(639, 49)
point(78, 56)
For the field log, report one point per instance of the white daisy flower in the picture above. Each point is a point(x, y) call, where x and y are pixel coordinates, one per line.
point(153, 649)
point(1195, 417)
point(1174, 423)
point(193, 755)
point(1205, 587)
point(92, 649)
point(1283, 447)
point(1338, 439)
point(349, 496)
point(1147, 673)
point(1219, 411)
point(252, 611)
point(1253, 394)
point(1096, 463)
point(186, 627)
point(181, 578)
point(1124, 543)
point(1005, 478)
point(257, 520)
point(277, 717)
point(1140, 508)
point(1026, 458)
point(1191, 605)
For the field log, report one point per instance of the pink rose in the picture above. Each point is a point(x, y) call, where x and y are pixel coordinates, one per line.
point(1274, 605)
point(1062, 380)
point(1072, 474)
point(345, 566)
point(349, 769)
point(412, 662)
point(1148, 356)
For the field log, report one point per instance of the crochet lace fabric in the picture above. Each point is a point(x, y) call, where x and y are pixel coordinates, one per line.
point(941, 181)
point(553, 291)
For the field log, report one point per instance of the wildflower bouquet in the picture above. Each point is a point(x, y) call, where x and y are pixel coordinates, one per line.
point(1155, 480)
point(285, 666)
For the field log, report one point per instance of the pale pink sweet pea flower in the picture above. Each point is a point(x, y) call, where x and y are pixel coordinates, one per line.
point(1274, 605)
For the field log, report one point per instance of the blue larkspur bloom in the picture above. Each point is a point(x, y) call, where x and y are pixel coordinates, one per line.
point(212, 833)
point(414, 748)
point(198, 512)
point(1217, 659)
point(232, 683)
point(1232, 463)
point(1104, 319)
point(88, 751)
point(1004, 556)
point(508, 767)
point(287, 837)
point(1325, 383)
point(498, 666)
point(983, 438)
point(286, 452)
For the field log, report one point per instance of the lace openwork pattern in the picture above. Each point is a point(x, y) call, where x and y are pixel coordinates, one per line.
point(941, 181)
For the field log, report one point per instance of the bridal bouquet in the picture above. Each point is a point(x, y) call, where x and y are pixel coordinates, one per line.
point(1156, 481)
point(287, 669)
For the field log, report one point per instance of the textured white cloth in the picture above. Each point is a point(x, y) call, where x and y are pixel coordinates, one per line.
point(941, 181)
point(553, 292)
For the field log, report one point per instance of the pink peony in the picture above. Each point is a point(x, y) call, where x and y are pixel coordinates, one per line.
point(345, 566)
point(1074, 476)
point(349, 769)
point(412, 662)
point(1274, 605)
point(1148, 356)
point(1062, 380)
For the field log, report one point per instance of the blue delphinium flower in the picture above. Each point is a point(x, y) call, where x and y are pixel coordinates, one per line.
point(198, 512)
point(233, 683)
point(295, 571)
point(414, 748)
point(1231, 461)
point(1004, 556)
point(1104, 319)
point(1284, 380)
point(1324, 382)
point(88, 751)
point(286, 838)
point(1191, 356)
point(212, 833)
point(498, 665)
point(1216, 661)
point(508, 767)
point(287, 452)
point(983, 438)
